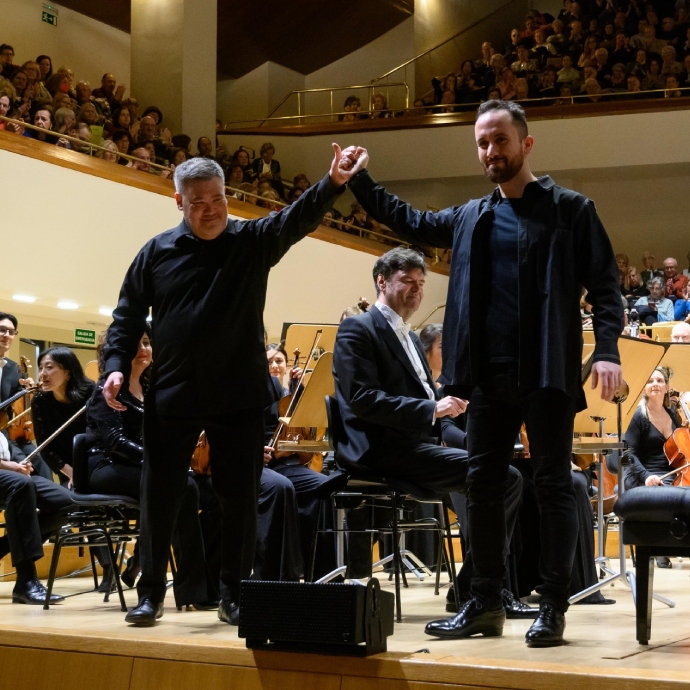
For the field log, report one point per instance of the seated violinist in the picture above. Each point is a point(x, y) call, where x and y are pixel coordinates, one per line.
point(115, 460)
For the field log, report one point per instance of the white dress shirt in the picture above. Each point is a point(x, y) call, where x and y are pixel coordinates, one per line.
point(402, 331)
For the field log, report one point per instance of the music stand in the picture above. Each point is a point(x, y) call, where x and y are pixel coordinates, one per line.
point(311, 407)
point(639, 358)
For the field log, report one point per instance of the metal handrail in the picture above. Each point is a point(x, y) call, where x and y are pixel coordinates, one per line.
point(299, 92)
point(440, 108)
point(442, 43)
point(81, 142)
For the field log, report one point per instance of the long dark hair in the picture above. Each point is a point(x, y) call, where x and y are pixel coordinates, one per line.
point(78, 386)
point(145, 377)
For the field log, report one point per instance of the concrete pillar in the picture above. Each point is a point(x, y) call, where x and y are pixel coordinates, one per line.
point(174, 63)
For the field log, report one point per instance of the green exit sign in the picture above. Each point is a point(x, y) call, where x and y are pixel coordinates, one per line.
point(84, 337)
point(49, 15)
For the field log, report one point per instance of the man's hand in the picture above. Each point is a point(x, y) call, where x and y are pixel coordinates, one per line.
point(653, 480)
point(19, 467)
point(347, 163)
point(112, 388)
point(611, 377)
point(119, 92)
point(67, 471)
point(268, 454)
point(450, 406)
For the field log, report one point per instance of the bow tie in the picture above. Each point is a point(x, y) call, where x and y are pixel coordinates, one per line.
point(403, 328)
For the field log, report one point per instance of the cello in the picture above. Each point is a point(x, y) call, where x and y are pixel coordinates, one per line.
point(677, 451)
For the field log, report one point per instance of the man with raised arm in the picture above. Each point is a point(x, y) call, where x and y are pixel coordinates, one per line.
point(512, 345)
point(205, 285)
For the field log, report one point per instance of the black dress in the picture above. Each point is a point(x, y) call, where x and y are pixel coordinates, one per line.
point(646, 449)
point(116, 454)
point(48, 415)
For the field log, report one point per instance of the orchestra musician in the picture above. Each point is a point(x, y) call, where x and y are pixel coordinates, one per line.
point(652, 423)
point(115, 456)
point(11, 382)
point(33, 508)
point(205, 283)
point(512, 345)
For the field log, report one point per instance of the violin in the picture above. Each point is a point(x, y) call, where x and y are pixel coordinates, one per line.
point(21, 428)
point(5, 419)
point(677, 450)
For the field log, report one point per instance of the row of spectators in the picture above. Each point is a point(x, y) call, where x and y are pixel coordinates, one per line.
point(657, 295)
point(594, 49)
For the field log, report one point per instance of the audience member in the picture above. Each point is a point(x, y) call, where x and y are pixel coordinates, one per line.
point(45, 66)
point(379, 106)
point(268, 200)
point(268, 168)
point(654, 308)
point(109, 92)
point(204, 148)
point(681, 309)
point(109, 152)
point(7, 57)
point(351, 107)
point(675, 283)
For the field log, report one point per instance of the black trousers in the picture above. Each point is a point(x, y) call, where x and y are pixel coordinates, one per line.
point(495, 414)
point(190, 583)
point(20, 497)
point(236, 459)
point(513, 499)
point(21, 450)
point(305, 482)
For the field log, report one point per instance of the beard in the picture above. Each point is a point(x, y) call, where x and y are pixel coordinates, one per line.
point(507, 168)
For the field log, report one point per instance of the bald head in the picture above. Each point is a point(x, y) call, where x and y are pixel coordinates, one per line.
point(681, 333)
point(670, 268)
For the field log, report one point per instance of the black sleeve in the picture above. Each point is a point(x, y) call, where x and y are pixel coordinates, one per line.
point(598, 273)
point(111, 430)
point(129, 318)
point(277, 232)
point(451, 433)
point(42, 431)
point(354, 362)
point(634, 435)
point(416, 227)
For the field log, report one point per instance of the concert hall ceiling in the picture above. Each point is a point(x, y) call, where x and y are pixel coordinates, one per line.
point(303, 36)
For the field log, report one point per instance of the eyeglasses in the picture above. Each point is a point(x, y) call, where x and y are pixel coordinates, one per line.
point(8, 331)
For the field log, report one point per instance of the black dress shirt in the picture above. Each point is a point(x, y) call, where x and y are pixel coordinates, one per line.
point(562, 247)
point(207, 300)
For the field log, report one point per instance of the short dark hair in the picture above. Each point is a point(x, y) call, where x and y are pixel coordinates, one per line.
point(121, 134)
point(515, 111)
point(154, 109)
point(429, 334)
point(398, 259)
point(10, 317)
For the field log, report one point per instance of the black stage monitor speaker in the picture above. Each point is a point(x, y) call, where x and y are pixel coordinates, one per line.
point(324, 618)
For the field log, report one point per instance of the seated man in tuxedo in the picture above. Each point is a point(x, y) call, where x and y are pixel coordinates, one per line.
point(390, 406)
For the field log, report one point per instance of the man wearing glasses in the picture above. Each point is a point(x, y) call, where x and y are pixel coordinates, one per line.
point(10, 384)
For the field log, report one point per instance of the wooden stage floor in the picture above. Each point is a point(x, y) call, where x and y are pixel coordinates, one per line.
point(85, 643)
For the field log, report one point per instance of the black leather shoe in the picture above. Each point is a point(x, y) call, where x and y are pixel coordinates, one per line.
point(473, 619)
point(33, 592)
point(547, 630)
point(131, 572)
point(206, 605)
point(515, 608)
point(145, 614)
point(229, 612)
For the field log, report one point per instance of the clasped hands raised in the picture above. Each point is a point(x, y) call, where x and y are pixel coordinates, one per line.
point(347, 163)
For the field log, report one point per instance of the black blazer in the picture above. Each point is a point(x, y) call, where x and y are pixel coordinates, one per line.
point(383, 403)
point(10, 380)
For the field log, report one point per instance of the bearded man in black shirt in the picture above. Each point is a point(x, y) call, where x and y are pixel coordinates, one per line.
point(205, 284)
point(512, 345)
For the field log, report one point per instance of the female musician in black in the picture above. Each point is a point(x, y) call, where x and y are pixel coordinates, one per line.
point(116, 454)
point(653, 422)
point(64, 391)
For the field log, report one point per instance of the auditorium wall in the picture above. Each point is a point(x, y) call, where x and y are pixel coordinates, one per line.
point(76, 239)
point(88, 47)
